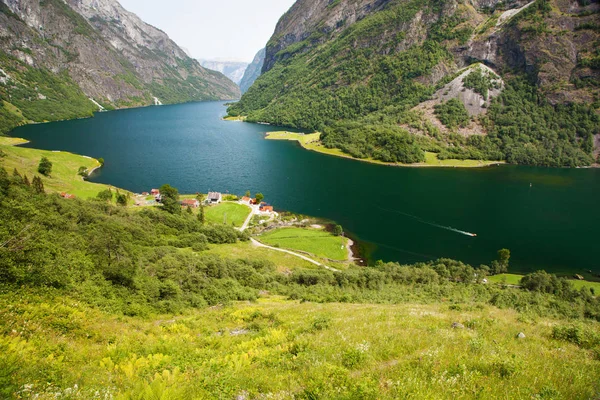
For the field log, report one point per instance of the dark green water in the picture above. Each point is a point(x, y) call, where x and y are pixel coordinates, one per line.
point(548, 218)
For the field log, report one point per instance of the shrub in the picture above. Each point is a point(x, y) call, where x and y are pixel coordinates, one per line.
point(45, 167)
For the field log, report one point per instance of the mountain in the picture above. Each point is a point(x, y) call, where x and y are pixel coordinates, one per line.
point(372, 75)
point(61, 60)
point(253, 71)
point(234, 70)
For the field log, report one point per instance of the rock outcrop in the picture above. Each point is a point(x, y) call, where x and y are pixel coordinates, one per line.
point(253, 71)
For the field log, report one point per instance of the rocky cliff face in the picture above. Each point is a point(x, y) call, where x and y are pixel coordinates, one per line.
point(552, 47)
point(92, 49)
point(234, 70)
point(253, 71)
point(310, 19)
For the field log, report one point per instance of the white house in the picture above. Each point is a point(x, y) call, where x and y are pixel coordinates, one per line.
point(214, 198)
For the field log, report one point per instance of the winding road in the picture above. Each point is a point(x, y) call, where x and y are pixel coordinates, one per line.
point(256, 243)
point(310, 260)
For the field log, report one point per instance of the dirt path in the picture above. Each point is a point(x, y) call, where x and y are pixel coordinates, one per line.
point(310, 260)
point(249, 218)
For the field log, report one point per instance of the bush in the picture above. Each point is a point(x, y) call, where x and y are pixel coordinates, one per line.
point(45, 167)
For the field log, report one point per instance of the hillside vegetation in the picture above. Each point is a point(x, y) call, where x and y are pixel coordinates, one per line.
point(358, 80)
point(100, 301)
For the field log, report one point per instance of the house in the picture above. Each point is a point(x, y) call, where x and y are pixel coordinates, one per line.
point(145, 194)
point(246, 200)
point(67, 195)
point(214, 198)
point(155, 192)
point(266, 208)
point(194, 203)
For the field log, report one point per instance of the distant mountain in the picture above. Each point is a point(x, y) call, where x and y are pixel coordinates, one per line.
point(64, 59)
point(253, 71)
point(511, 80)
point(234, 70)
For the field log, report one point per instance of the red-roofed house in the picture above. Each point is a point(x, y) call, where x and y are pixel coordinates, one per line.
point(154, 192)
point(190, 203)
point(246, 199)
point(267, 208)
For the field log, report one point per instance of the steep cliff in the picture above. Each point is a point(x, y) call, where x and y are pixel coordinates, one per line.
point(234, 70)
point(253, 71)
point(55, 56)
point(348, 67)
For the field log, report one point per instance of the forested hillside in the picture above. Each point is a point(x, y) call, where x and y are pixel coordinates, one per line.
point(62, 60)
point(349, 68)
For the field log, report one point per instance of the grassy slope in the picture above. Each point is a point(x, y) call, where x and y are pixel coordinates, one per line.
point(314, 241)
point(514, 279)
point(64, 176)
point(229, 212)
point(289, 349)
point(311, 142)
point(246, 250)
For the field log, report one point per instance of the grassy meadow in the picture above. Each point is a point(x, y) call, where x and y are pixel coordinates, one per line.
point(64, 177)
point(515, 279)
point(246, 250)
point(312, 142)
point(227, 213)
point(280, 349)
point(315, 241)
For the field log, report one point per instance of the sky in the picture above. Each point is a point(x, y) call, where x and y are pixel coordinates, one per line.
point(214, 29)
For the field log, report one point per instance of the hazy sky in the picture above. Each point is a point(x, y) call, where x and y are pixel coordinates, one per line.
point(227, 29)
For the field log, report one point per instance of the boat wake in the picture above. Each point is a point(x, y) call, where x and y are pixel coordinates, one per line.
point(421, 220)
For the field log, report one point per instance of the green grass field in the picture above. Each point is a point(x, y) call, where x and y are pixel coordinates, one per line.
point(509, 279)
point(312, 142)
point(64, 177)
point(227, 213)
point(247, 251)
point(514, 279)
point(314, 241)
point(280, 349)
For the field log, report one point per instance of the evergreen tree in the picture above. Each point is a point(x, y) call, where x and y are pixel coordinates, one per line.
point(201, 216)
point(170, 199)
point(38, 185)
point(121, 199)
point(26, 181)
point(189, 210)
point(4, 181)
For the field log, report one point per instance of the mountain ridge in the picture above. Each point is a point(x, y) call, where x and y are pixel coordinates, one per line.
point(59, 55)
point(330, 65)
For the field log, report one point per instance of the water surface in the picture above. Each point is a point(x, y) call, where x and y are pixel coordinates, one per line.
point(548, 218)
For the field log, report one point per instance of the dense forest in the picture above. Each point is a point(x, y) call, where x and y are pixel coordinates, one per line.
point(376, 71)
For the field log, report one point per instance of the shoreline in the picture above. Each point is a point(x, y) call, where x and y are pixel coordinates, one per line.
point(306, 140)
point(354, 246)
